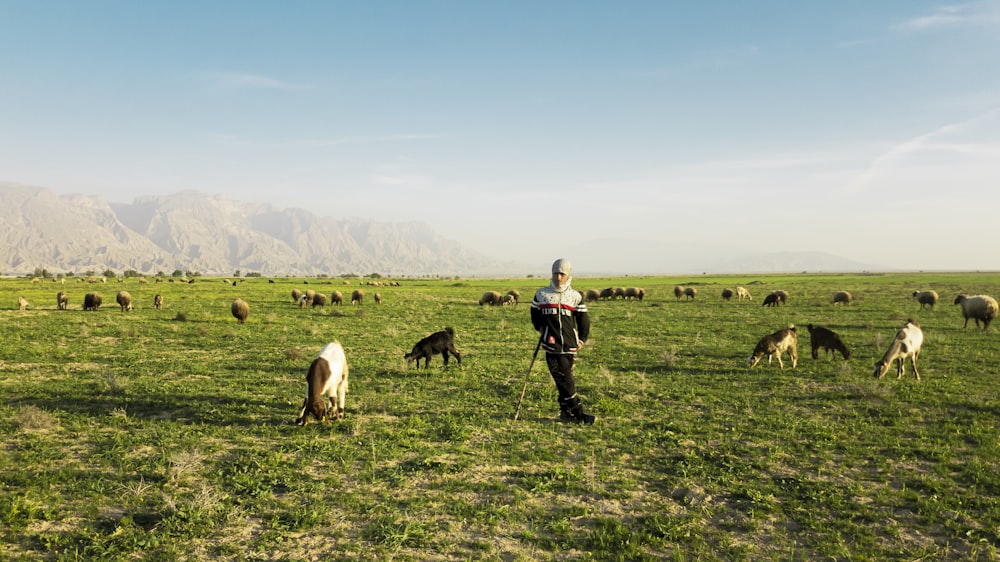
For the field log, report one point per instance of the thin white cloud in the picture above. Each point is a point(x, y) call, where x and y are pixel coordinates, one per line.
point(232, 140)
point(925, 143)
point(246, 81)
point(711, 60)
point(983, 13)
point(401, 180)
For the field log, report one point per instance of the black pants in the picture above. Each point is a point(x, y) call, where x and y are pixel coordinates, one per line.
point(561, 368)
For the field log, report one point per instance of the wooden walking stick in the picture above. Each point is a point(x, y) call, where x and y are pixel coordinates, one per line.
point(517, 412)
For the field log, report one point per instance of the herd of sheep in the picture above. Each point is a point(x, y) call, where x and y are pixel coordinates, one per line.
point(982, 309)
point(327, 377)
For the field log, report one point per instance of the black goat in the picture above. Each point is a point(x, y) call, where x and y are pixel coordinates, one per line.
point(442, 342)
point(820, 337)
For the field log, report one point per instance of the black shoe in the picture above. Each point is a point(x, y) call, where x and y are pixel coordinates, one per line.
point(581, 417)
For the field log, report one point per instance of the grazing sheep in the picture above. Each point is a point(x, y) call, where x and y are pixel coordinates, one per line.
point(592, 295)
point(22, 303)
point(678, 291)
point(442, 342)
point(309, 294)
point(742, 293)
point(337, 298)
point(820, 337)
point(926, 298)
point(62, 301)
point(491, 298)
point(508, 300)
point(296, 295)
point(378, 298)
point(327, 376)
point(358, 296)
point(782, 296)
point(690, 292)
point(514, 293)
point(773, 345)
point(620, 292)
point(727, 294)
point(92, 301)
point(978, 307)
point(158, 302)
point(240, 310)
point(842, 297)
point(608, 293)
point(634, 293)
point(319, 299)
point(124, 300)
point(771, 300)
point(907, 343)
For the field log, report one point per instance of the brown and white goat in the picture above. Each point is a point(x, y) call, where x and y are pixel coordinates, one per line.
point(907, 343)
point(773, 345)
point(327, 376)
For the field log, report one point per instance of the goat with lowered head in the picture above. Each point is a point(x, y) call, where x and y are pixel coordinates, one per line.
point(825, 338)
point(327, 376)
point(979, 307)
point(907, 343)
point(773, 345)
point(442, 342)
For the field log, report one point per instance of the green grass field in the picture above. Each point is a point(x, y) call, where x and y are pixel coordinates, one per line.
point(169, 434)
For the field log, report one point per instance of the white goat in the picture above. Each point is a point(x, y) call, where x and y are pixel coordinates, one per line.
point(327, 376)
point(907, 343)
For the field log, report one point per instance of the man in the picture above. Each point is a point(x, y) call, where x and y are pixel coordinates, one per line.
point(559, 314)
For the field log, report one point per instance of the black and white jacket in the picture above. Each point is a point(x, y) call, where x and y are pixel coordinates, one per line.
point(561, 318)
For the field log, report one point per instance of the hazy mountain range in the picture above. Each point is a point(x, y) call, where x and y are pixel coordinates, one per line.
point(191, 231)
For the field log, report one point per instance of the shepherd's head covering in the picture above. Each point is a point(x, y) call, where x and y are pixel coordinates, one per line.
point(562, 265)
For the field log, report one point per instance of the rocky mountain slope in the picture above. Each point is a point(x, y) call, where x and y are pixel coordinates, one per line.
point(193, 231)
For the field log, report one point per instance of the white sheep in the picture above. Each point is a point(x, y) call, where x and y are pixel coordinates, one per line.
point(240, 310)
point(907, 343)
point(926, 298)
point(978, 307)
point(22, 303)
point(842, 297)
point(491, 298)
point(741, 292)
point(124, 300)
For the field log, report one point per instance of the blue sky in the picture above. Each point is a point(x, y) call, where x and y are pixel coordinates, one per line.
point(641, 136)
